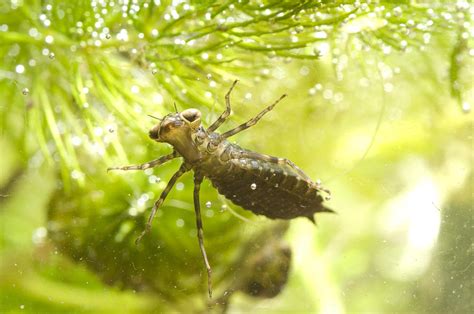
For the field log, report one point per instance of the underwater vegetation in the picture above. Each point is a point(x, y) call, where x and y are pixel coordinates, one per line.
point(378, 111)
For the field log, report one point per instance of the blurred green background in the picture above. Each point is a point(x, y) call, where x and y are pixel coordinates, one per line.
point(379, 109)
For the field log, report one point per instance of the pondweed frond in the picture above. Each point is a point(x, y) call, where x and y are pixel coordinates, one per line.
point(79, 70)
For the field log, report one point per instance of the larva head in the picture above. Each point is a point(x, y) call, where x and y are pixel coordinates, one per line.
point(176, 127)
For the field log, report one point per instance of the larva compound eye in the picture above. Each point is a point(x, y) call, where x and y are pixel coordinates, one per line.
point(154, 132)
point(191, 115)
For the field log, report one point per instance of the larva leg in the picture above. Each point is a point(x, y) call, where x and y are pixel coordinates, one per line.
point(200, 233)
point(147, 165)
point(252, 121)
point(226, 113)
point(160, 201)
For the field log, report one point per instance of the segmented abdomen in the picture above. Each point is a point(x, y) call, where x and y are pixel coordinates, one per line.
point(273, 190)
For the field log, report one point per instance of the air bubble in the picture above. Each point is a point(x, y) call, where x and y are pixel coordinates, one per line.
point(76, 140)
point(20, 69)
point(208, 204)
point(39, 235)
point(52, 56)
point(388, 87)
point(154, 71)
point(466, 107)
point(328, 198)
point(180, 223)
point(108, 36)
point(304, 70)
point(132, 211)
point(135, 89)
point(77, 175)
point(180, 186)
point(49, 39)
point(25, 91)
point(397, 11)
point(253, 186)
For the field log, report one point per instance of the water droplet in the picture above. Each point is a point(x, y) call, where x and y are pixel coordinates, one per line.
point(180, 223)
point(328, 198)
point(52, 55)
point(223, 207)
point(208, 204)
point(253, 186)
point(108, 36)
point(22, 307)
point(318, 183)
point(180, 186)
point(154, 71)
point(25, 91)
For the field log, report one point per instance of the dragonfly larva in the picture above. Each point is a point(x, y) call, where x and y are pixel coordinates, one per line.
point(266, 185)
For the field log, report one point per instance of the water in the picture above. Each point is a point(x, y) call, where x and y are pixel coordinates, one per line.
point(376, 108)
